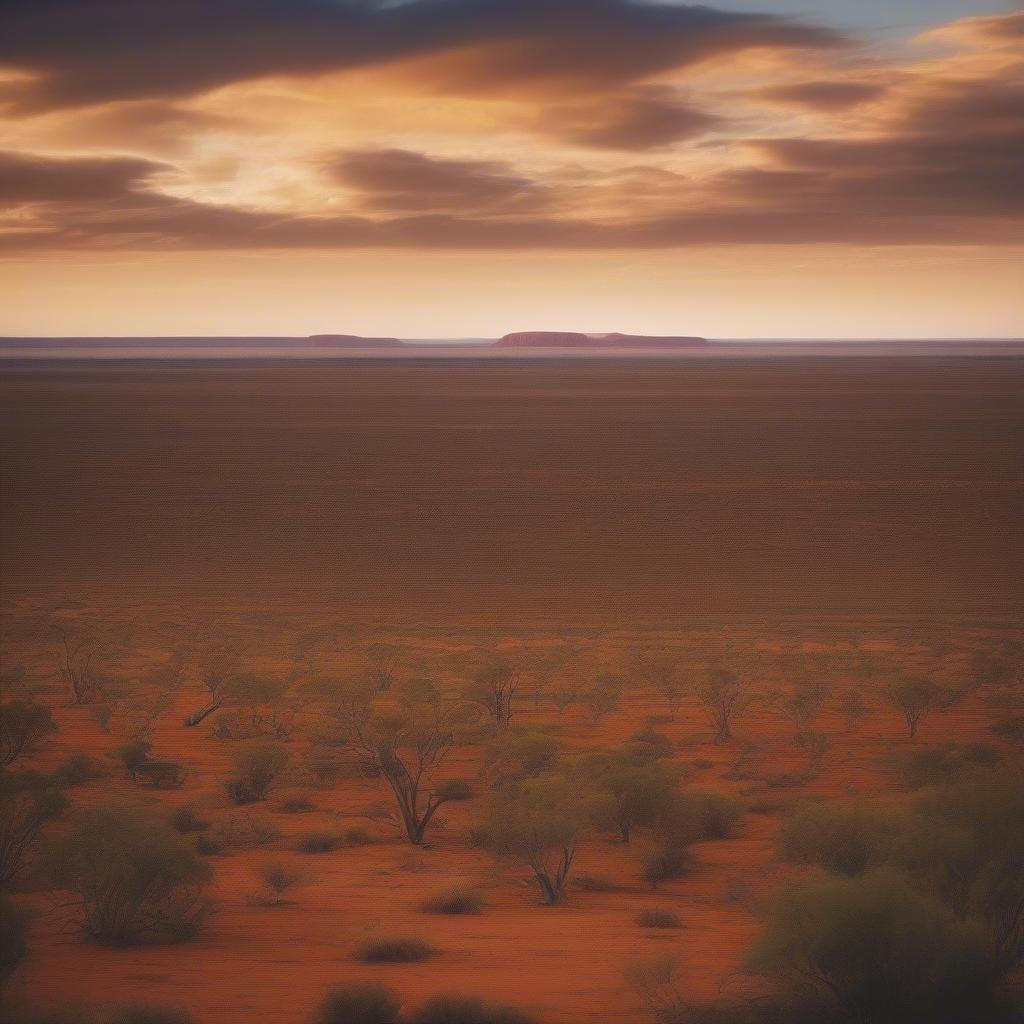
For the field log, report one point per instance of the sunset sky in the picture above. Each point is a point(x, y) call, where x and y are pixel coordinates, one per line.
point(469, 167)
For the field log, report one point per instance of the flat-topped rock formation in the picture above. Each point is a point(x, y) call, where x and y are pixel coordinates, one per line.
point(352, 341)
point(567, 339)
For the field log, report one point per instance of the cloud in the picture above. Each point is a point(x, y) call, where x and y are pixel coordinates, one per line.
point(30, 178)
point(594, 163)
point(823, 95)
point(644, 117)
point(114, 50)
point(400, 180)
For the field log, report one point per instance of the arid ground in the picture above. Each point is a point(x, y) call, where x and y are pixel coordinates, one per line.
point(847, 521)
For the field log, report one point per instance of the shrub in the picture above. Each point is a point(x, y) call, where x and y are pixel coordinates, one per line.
point(133, 754)
point(318, 842)
point(13, 925)
point(844, 837)
point(134, 878)
point(238, 832)
point(23, 726)
point(28, 801)
point(945, 763)
point(75, 770)
point(278, 879)
point(880, 950)
point(666, 864)
point(394, 951)
point(209, 846)
point(257, 767)
point(520, 754)
point(716, 813)
point(458, 900)
point(358, 1004)
point(453, 1009)
point(658, 918)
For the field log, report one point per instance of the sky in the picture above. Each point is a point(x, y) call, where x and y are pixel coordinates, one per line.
point(465, 168)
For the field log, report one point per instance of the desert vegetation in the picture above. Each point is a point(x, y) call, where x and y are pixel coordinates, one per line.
point(798, 814)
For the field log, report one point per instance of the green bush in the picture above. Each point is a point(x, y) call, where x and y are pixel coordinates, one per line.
point(257, 767)
point(880, 950)
point(457, 900)
point(23, 726)
point(133, 877)
point(844, 837)
point(454, 1009)
point(394, 951)
point(28, 800)
point(945, 763)
point(717, 813)
point(667, 864)
point(358, 1004)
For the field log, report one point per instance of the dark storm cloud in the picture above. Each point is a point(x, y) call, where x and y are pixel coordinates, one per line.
point(823, 95)
point(401, 180)
point(26, 178)
point(644, 117)
point(94, 51)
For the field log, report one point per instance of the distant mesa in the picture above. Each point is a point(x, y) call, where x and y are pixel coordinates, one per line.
point(352, 341)
point(566, 339)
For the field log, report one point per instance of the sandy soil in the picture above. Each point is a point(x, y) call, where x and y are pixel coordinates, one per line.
point(852, 509)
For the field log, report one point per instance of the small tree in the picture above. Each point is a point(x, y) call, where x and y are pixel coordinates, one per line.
point(219, 665)
point(852, 708)
point(493, 686)
point(724, 694)
point(541, 823)
point(23, 725)
point(28, 801)
point(132, 877)
point(406, 747)
point(965, 842)
point(604, 696)
point(384, 662)
point(77, 664)
point(915, 697)
point(520, 754)
point(257, 766)
point(880, 950)
point(661, 670)
point(640, 795)
point(803, 703)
